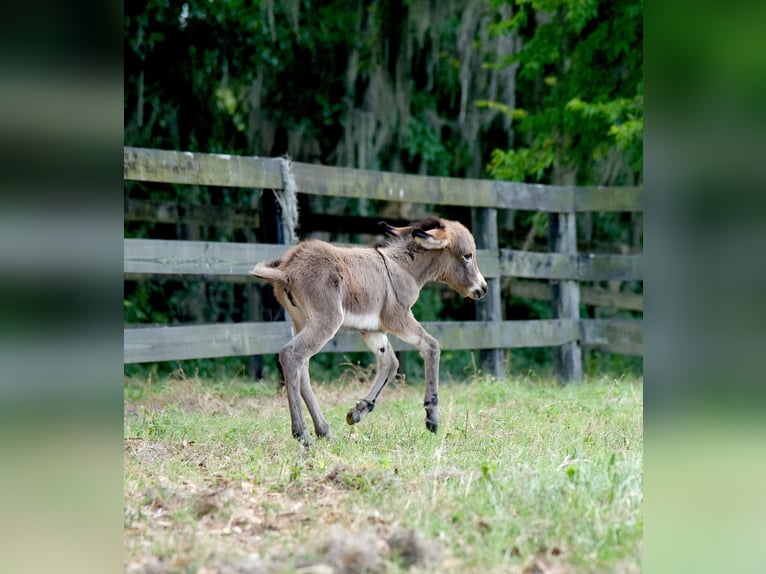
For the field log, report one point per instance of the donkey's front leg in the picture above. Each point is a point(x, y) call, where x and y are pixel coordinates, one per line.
point(430, 352)
point(415, 334)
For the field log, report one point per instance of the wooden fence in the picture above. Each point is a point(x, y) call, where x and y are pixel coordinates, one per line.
point(564, 267)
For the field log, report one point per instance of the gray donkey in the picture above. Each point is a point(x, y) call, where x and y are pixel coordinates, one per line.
point(371, 290)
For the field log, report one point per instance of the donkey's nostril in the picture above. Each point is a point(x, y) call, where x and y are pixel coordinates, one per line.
point(479, 292)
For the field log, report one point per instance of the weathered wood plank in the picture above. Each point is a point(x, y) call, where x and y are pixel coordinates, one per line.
point(476, 335)
point(326, 180)
point(588, 295)
point(345, 182)
point(583, 267)
point(562, 199)
point(534, 197)
point(531, 265)
point(141, 164)
point(167, 166)
point(488, 261)
point(189, 213)
point(196, 257)
point(150, 344)
point(209, 258)
point(155, 256)
point(622, 336)
point(538, 333)
point(489, 308)
point(565, 296)
point(603, 267)
point(608, 199)
point(167, 257)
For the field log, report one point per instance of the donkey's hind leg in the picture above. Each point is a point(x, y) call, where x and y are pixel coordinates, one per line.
point(294, 358)
point(298, 317)
point(386, 370)
point(321, 427)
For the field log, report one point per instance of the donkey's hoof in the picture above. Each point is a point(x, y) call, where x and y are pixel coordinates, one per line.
point(353, 417)
point(431, 425)
point(301, 435)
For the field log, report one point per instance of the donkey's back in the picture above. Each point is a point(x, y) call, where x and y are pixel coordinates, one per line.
point(314, 277)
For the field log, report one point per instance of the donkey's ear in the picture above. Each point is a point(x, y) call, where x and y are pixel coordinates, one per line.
point(433, 239)
point(388, 229)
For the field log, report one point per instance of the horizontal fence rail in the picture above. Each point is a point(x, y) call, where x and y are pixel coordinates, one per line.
point(588, 295)
point(170, 257)
point(563, 268)
point(150, 344)
point(238, 171)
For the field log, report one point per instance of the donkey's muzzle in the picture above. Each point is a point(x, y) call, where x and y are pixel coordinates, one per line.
point(479, 292)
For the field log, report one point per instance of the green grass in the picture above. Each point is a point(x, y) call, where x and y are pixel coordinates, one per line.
point(522, 476)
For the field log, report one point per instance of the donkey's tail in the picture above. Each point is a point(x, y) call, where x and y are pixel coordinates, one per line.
point(269, 270)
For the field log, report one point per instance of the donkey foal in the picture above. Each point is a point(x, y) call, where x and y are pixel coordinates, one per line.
point(371, 290)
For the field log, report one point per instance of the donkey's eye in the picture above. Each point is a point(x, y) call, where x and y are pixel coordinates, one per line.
point(468, 257)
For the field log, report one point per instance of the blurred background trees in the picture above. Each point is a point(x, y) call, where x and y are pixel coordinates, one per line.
point(546, 91)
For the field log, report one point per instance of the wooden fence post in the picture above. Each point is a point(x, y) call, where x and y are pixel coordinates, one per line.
point(489, 308)
point(565, 296)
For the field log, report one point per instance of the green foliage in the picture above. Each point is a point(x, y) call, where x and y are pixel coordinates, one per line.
point(518, 165)
point(275, 77)
point(580, 86)
point(429, 305)
point(424, 142)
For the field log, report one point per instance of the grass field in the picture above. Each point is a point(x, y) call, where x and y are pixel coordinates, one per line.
point(523, 476)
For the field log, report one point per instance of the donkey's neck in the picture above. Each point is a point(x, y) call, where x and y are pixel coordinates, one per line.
point(422, 265)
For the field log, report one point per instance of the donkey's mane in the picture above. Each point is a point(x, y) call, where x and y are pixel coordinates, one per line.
point(390, 240)
point(429, 223)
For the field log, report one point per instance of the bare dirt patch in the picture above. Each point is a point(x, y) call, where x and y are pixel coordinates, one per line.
point(341, 551)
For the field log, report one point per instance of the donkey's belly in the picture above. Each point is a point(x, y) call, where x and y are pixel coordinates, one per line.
point(361, 321)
